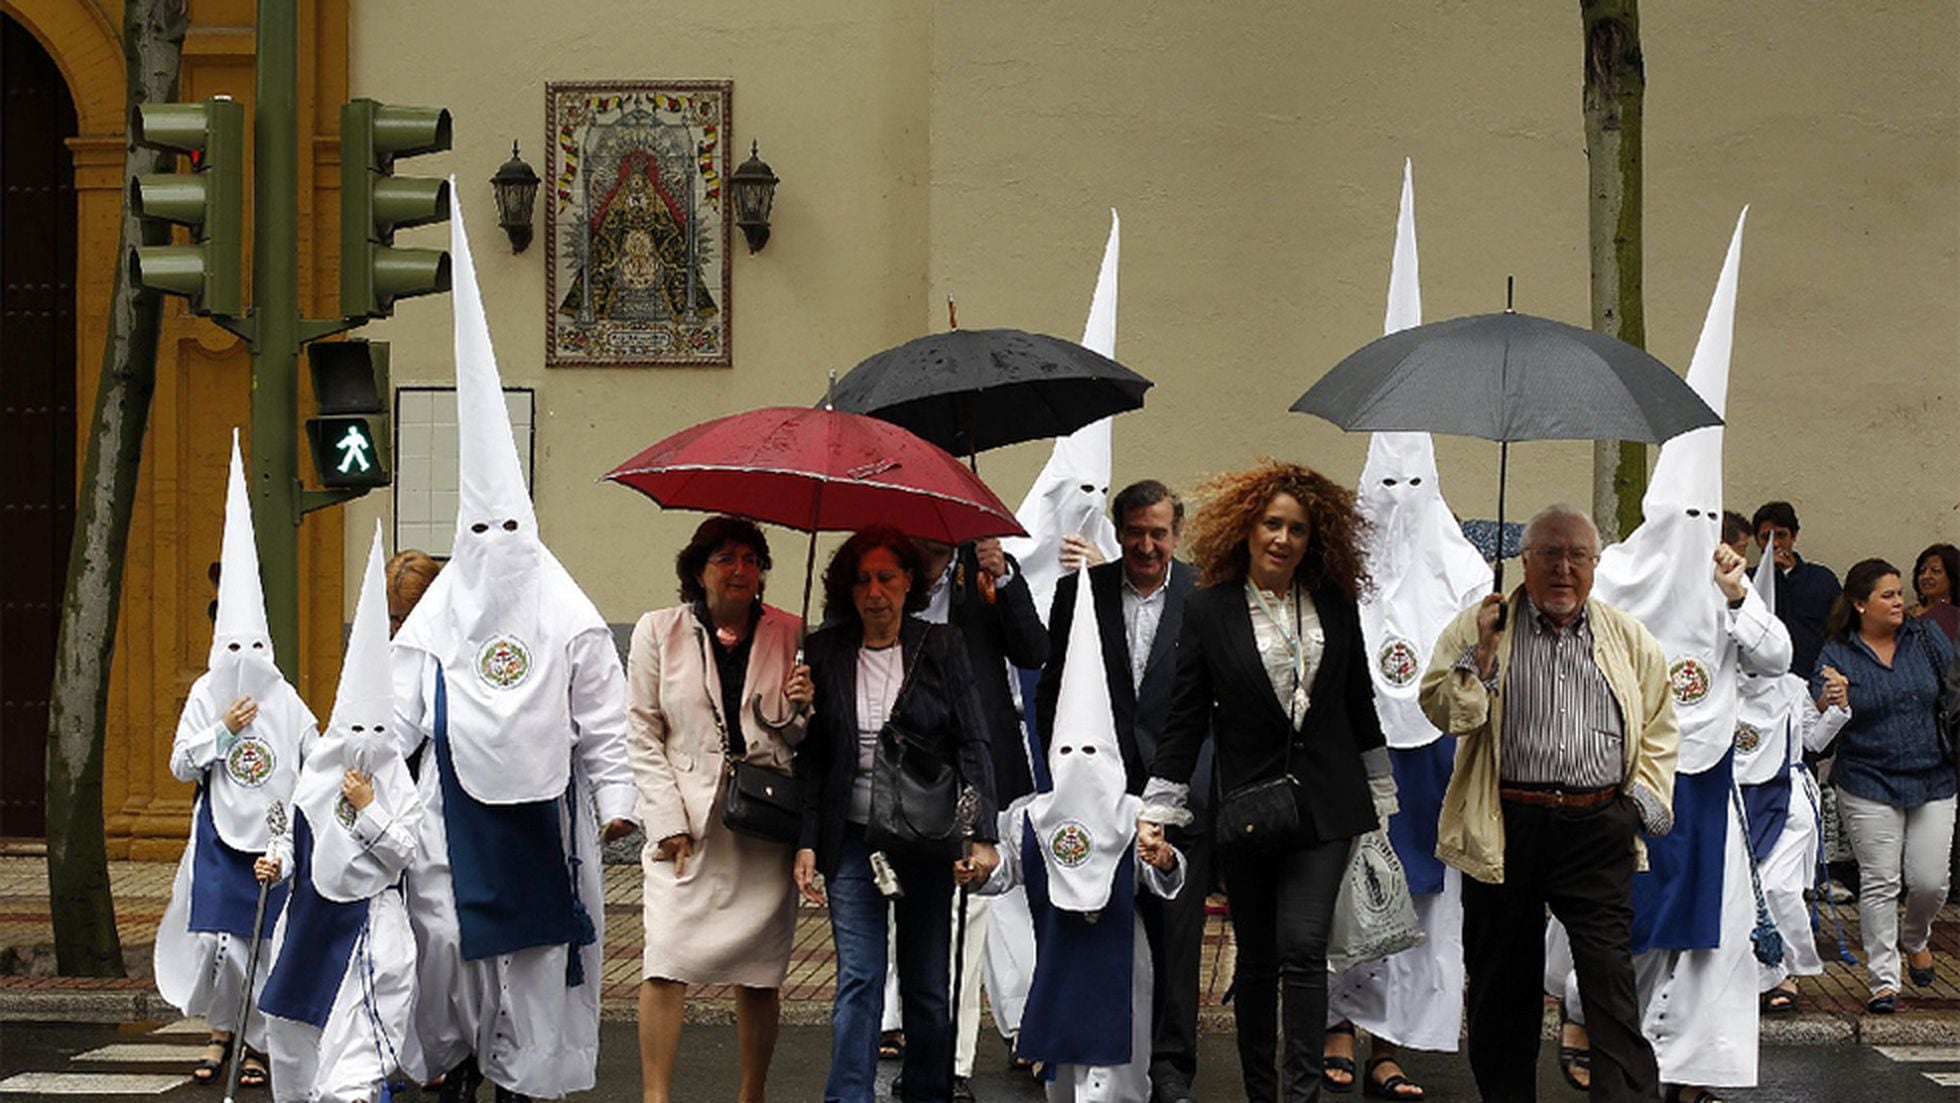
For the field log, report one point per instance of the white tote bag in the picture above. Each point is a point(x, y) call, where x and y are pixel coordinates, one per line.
point(1373, 915)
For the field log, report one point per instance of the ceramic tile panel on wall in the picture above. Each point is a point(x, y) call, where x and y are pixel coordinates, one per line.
point(426, 462)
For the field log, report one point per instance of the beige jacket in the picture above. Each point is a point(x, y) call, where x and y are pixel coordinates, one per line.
point(1470, 832)
point(674, 733)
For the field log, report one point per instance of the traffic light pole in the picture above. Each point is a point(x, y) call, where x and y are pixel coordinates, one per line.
point(275, 328)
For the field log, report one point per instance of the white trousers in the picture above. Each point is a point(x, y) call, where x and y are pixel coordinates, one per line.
point(1892, 844)
point(202, 973)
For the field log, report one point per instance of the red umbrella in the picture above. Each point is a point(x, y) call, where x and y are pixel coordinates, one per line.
point(818, 471)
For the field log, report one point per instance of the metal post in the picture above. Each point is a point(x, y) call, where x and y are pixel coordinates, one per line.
point(276, 318)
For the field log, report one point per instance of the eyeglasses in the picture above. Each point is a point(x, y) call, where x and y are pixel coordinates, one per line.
point(1552, 557)
point(726, 560)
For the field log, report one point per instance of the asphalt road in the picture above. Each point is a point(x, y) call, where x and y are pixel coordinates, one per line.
point(1826, 1074)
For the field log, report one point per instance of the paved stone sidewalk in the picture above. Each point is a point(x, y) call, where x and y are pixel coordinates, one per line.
point(1830, 1009)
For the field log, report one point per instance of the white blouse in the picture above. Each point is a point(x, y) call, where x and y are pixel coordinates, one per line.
point(1287, 634)
point(881, 671)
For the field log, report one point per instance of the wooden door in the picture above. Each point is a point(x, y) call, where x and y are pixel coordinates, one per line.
point(37, 408)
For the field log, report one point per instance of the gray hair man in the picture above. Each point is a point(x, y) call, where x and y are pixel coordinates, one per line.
point(1567, 750)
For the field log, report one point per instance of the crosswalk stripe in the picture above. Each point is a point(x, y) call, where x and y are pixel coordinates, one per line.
point(90, 1083)
point(142, 1053)
point(1945, 1079)
point(184, 1026)
point(1920, 1054)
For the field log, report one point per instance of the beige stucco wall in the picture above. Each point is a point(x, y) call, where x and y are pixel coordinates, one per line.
point(1254, 151)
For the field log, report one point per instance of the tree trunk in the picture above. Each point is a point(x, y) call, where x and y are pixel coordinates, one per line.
point(86, 943)
point(1615, 86)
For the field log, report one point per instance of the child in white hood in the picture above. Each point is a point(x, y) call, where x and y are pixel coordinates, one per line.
point(241, 738)
point(338, 1006)
point(1076, 850)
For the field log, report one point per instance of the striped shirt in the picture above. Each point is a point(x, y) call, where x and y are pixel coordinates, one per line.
point(1561, 724)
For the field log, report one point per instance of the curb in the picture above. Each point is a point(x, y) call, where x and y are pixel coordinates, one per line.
point(1804, 1028)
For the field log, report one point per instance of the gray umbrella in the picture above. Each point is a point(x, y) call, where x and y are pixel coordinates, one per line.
point(1507, 377)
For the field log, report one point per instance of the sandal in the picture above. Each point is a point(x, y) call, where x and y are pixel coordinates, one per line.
point(1778, 1000)
point(1885, 1003)
point(1702, 1095)
point(1396, 1086)
point(1329, 1064)
point(208, 1069)
point(1573, 1059)
point(891, 1045)
point(252, 1071)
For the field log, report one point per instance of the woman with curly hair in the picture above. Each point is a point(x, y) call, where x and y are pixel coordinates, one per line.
point(1271, 663)
point(1933, 576)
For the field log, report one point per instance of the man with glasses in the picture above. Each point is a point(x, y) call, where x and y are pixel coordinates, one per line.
point(1567, 754)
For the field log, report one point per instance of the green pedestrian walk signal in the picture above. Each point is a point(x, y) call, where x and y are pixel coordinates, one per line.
point(210, 199)
point(374, 203)
point(349, 435)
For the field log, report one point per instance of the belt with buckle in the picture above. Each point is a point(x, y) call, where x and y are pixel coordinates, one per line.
point(1560, 798)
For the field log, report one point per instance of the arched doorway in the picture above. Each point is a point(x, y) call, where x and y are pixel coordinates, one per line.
point(37, 408)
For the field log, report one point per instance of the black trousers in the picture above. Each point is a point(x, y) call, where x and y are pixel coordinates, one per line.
point(1282, 909)
point(1580, 863)
point(1176, 929)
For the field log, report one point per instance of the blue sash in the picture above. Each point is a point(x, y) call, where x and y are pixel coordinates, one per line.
point(224, 891)
point(506, 864)
point(320, 935)
point(1677, 903)
point(1768, 808)
point(1421, 775)
point(1079, 1004)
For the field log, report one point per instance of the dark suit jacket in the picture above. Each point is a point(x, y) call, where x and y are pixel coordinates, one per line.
point(939, 702)
point(1007, 631)
point(1221, 688)
point(1139, 712)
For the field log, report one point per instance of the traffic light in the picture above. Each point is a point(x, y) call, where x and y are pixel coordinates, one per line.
point(349, 433)
point(210, 199)
point(374, 203)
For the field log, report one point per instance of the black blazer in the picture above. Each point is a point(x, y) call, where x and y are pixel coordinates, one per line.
point(939, 701)
point(1139, 712)
point(1007, 631)
point(1221, 688)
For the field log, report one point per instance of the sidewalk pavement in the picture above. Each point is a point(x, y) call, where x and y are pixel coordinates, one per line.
point(1830, 1008)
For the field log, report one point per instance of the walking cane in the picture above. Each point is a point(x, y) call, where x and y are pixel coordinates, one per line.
point(275, 821)
point(965, 812)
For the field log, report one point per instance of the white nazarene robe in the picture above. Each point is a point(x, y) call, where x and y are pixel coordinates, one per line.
point(528, 1029)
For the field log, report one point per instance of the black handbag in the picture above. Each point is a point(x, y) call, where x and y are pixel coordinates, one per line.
point(1946, 704)
point(915, 790)
point(762, 803)
point(756, 800)
point(1262, 816)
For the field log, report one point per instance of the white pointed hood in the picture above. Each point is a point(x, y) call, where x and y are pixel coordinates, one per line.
point(1663, 572)
point(262, 762)
point(1086, 824)
point(358, 738)
point(1425, 569)
point(501, 614)
point(1071, 495)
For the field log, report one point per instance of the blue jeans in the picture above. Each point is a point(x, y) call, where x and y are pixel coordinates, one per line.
point(857, 925)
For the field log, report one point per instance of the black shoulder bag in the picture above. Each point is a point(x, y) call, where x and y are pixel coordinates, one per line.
point(915, 788)
point(1946, 702)
point(756, 800)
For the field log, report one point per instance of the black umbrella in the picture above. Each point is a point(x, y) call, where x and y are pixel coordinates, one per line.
point(1507, 377)
point(968, 390)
